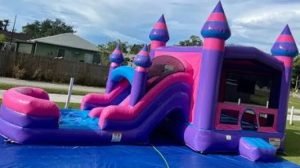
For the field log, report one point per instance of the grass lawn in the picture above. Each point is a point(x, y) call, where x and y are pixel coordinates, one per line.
point(292, 143)
point(4, 86)
point(62, 105)
point(294, 101)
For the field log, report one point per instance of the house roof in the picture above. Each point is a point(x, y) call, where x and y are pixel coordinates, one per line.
point(67, 40)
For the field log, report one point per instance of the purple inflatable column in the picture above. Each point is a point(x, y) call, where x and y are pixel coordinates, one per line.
point(215, 31)
point(142, 62)
point(159, 35)
point(284, 50)
point(116, 58)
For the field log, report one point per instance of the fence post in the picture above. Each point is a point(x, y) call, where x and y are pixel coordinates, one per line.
point(69, 92)
point(292, 115)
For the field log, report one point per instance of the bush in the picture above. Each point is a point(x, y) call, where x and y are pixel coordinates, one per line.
point(19, 72)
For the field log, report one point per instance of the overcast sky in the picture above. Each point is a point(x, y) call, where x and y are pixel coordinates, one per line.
point(252, 22)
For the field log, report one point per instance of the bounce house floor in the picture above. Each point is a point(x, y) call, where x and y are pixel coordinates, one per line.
point(156, 155)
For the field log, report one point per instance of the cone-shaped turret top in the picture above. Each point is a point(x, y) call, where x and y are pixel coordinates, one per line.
point(160, 30)
point(216, 25)
point(143, 59)
point(116, 56)
point(285, 44)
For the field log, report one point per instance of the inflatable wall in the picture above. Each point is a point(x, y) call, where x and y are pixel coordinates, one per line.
point(216, 98)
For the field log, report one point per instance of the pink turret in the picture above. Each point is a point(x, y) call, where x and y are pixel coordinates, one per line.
point(284, 50)
point(159, 35)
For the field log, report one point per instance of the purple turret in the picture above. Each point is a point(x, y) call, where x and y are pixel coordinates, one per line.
point(284, 50)
point(159, 35)
point(116, 59)
point(215, 31)
point(142, 61)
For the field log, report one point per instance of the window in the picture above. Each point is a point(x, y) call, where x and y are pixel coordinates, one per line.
point(266, 120)
point(250, 82)
point(248, 121)
point(229, 117)
point(61, 53)
point(249, 88)
point(162, 67)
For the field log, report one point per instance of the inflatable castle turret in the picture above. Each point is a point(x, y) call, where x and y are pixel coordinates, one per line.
point(116, 59)
point(142, 61)
point(284, 50)
point(159, 35)
point(215, 32)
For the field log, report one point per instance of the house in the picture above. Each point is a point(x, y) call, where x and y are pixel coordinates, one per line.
point(67, 46)
point(10, 38)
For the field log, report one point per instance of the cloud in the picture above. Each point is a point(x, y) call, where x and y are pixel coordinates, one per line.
point(253, 22)
point(262, 25)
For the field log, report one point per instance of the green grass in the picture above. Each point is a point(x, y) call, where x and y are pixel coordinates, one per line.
point(71, 105)
point(4, 86)
point(292, 147)
point(294, 101)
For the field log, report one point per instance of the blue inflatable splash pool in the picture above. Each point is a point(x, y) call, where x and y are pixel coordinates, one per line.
point(158, 155)
point(77, 119)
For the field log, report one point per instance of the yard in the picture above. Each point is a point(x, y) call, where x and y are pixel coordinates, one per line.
point(4, 86)
point(294, 101)
point(292, 143)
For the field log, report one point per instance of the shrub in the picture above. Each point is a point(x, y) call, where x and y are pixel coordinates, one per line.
point(19, 72)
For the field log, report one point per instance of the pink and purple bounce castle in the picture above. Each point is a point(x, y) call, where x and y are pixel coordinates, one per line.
point(215, 98)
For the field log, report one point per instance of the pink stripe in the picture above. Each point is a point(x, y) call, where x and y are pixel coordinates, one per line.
point(144, 53)
point(217, 17)
point(160, 25)
point(156, 44)
point(287, 61)
point(117, 52)
point(141, 69)
point(285, 38)
point(113, 65)
point(214, 44)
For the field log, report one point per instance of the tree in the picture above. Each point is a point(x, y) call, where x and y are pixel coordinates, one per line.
point(2, 38)
point(127, 49)
point(296, 73)
point(47, 27)
point(4, 24)
point(135, 48)
point(192, 41)
point(107, 48)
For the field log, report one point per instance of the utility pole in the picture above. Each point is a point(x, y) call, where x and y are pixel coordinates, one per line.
point(13, 30)
point(296, 84)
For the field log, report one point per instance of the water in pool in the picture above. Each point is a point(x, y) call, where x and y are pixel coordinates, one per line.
point(77, 119)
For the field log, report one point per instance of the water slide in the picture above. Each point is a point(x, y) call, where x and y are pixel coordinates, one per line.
point(120, 91)
point(172, 94)
point(25, 111)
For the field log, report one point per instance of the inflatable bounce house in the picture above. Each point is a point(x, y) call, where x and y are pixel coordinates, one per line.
point(215, 98)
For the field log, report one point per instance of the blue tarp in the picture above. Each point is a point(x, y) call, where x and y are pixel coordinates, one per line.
point(159, 155)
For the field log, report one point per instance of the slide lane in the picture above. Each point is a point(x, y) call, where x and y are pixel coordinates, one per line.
point(93, 100)
point(172, 93)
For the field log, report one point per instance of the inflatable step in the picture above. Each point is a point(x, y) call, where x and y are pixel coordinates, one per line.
point(256, 149)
